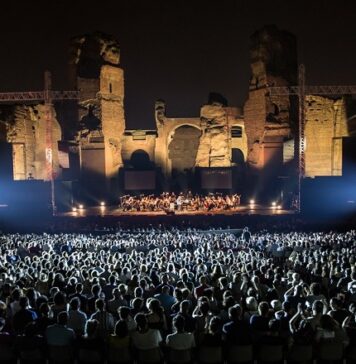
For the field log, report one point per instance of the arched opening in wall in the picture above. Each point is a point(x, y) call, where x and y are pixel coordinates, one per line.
point(182, 151)
point(140, 160)
point(238, 170)
point(237, 157)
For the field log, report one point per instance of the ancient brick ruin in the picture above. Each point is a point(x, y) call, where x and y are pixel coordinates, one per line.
point(262, 134)
point(26, 131)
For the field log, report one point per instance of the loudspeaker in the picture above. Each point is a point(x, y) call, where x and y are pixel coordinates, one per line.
point(6, 167)
point(349, 156)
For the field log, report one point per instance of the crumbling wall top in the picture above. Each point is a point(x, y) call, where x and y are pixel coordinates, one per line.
point(90, 51)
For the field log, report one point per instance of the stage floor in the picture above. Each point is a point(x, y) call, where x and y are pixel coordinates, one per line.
point(114, 211)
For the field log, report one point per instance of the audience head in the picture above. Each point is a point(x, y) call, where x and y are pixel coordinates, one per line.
point(91, 328)
point(121, 329)
point(62, 318)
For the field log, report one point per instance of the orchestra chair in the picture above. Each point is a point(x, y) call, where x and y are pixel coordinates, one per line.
point(119, 355)
point(330, 352)
point(270, 354)
point(300, 354)
point(237, 354)
point(35, 356)
point(210, 355)
point(179, 356)
point(150, 356)
point(89, 356)
point(7, 355)
point(60, 354)
point(350, 354)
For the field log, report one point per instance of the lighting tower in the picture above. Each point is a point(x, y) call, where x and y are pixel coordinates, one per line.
point(47, 96)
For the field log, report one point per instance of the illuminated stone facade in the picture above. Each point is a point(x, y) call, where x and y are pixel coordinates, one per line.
point(269, 118)
point(27, 134)
point(263, 133)
point(325, 125)
point(96, 74)
point(215, 140)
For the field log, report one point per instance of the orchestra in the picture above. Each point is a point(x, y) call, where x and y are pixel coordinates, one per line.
point(169, 201)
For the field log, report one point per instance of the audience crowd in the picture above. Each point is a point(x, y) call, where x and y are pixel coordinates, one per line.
point(174, 289)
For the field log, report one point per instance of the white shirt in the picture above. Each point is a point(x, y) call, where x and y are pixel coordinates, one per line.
point(181, 341)
point(148, 340)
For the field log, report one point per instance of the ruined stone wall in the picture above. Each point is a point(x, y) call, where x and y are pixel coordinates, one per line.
point(265, 117)
point(255, 119)
point(273, 55)
point(183, 148)
point(273, 63)
point(215, 143)
point(165, 136)
point(165, 132)
point(112, 116)
point(132, 143)
point(214, 146)
point(89, 89)
point(27, 133)
point(325, 125)
point(95, 63)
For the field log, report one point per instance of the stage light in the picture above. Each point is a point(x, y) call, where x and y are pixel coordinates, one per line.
point(252, 202)
point(279, 207)
point(81, 206)
point(74, 209)
point(274, 204)
point(102, 203)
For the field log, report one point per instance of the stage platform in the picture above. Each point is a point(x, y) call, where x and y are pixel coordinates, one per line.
point(100, 218)
point(112, 211)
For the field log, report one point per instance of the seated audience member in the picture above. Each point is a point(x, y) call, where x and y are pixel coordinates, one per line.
point(91, 340)
point(260, 322)
point(330, 331)
point(105, 319)
point(237, 331)
point(24, 316)
point(125, 315)
point(143, 337)
point(180, 339)
point(338, 313)
point(44, 319)
point(116, 302)
point(30, 340)
point(121, 337)
point(166, 299)
point(156, 317)
point(59, 334)
point(76, 318)
point(213, 334)
point(349, 325)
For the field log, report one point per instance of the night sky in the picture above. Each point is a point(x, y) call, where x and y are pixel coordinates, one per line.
point(175, 50)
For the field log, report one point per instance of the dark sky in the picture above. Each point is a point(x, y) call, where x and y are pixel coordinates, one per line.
point(175, 50)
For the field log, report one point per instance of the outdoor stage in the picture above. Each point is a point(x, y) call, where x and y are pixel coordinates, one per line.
point(117, 212)
point(30, 219)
